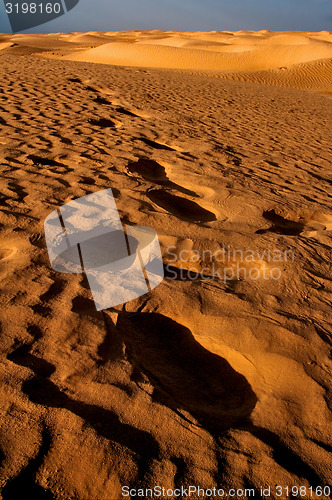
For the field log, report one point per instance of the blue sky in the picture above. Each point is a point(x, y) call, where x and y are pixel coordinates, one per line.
point(204, 15)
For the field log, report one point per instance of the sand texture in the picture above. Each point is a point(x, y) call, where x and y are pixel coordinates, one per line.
point(202, 382)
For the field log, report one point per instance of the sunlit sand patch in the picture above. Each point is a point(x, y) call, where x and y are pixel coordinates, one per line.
point(6, 253)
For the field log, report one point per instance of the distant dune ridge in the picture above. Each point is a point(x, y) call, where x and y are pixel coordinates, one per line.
point(292, 59)
point(221, 142)
point(236, 52)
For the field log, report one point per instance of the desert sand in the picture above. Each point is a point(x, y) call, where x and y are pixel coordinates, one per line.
point(216, 140)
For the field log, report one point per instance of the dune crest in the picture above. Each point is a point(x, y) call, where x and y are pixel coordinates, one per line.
point(275, 58)
point(292, 59)
point(175, 57)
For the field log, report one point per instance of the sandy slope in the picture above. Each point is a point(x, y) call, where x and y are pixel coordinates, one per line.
point(294, 57)
point(168, 56)
point(202, 382)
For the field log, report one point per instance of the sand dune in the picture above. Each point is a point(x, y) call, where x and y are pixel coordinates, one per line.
point(174, 57)
point(250, 54)
point(5, 45)
point(294, 59)
point(204, 381)
point(314, 75)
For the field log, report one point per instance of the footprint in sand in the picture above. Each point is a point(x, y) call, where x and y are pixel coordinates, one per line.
point(120, 109)
point(102, 100)
point(87, 180)
point(125, 111)
point(104, 123)
point(185, 376)
point(307, 225)
point(75, 80)
point(153, 171)
point(156, 145)
point(281, 225)
point(182, 208)
point(91, 89)
point(46, 162)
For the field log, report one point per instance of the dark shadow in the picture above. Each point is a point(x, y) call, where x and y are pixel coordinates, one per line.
point(152, 171)
point(75, 80)
point(102, 122)
point(105, 422)
point(18, 190)
point(41, 310)
point(24, 486)
point(39, 366)
point(91, 89)
point(156, 145)
point(182, 208)
point(112, 348)
point(185, 375)
point(125, 111)
point(285, 456)
point(101, 100)
point(56, 288)
point(87, 180)
point(280, 225)
point(47, 162)
point(320, 177)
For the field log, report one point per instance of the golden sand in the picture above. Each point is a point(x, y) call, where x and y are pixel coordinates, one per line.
point(211, 141)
